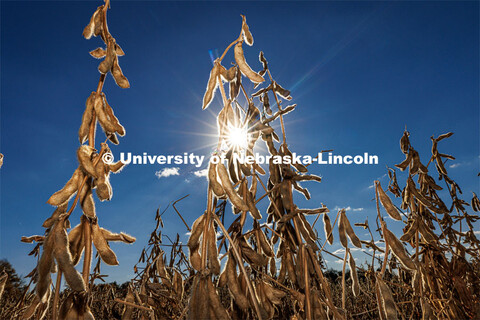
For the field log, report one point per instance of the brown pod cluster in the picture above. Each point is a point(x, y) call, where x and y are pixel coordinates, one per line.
point(56, 247)
point(62, 250)
point(101, 237)
point(61, 197)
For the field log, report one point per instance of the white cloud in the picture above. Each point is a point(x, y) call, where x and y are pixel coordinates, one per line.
point(339, 251)
point(455, 165)
point(371, 186)
point(167, 172)
point(476, 232)
point(201, 173)
point(348, 209)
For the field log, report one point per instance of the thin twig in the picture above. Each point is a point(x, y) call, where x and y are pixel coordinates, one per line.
point(183, 220)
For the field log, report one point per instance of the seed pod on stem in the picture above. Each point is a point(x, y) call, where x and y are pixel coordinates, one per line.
point(211, 86)
point(63, 195)
point(228, 187)
point(233, 284)
point(387, 203)
point(101, 244)
point(243, 65)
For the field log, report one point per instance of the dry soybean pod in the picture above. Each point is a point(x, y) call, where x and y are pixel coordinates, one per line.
point(98, 53)
point(274, 295)
point(84, 155)
point(251, 205)
point(222, 280)
point(213, 262)
point(86, 199)
point(178, 284)
point(43, 267)
point(113, 119)
point(76, 242)
point(228, 187)
point(243, 65)
point(327, 227)
point(353, 275)
point(287, 255)
point(215, 302)
point(211, 86)
point(387, 203)
point(233, 284)
point(264, 244)
point(107, 63)
point(63, 195)
point(213, 182)
point(197, 230)
point(104, 189)
point(118, 76)
point(102, 116)
point(253, 187)
point(252, 256)
point(107, 254)
point(235, 84)
point(386, 299)
point(110, 236)
point(86, 119)
point(196, 258)
point(299, 269)
point(398, 249)
point(247, 35)
point(410, 233)
point(64, 259)
point(341, 229)
point(90, 28)
point(348, 228)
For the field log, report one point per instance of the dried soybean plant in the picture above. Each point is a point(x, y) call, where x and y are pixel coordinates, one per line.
point(299, 289)
point(59, 251)
point(157, 290)
point(443, 273)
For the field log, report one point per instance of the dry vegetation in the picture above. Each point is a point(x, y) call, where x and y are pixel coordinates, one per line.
point(269, 266)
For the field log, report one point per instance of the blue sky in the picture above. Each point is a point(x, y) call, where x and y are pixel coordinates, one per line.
point(359, 72)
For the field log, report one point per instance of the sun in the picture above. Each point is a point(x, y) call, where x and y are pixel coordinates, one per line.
point(237, 137)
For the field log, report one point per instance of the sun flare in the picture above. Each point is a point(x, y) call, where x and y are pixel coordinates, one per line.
point(238, 137)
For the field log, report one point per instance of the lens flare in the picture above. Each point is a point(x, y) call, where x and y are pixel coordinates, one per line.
point(238, 137)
